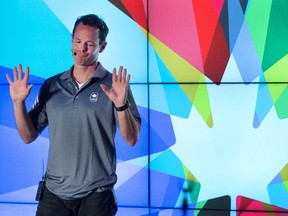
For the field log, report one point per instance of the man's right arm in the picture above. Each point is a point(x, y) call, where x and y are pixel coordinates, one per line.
point(25, 127)
point(19, 91)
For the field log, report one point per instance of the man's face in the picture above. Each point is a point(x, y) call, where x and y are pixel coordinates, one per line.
point(86, 45)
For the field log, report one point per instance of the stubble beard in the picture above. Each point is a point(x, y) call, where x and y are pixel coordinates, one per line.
point(84, 61)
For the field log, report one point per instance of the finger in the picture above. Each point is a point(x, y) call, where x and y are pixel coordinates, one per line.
point(26, 77)
point(114, 78)
point(104, 89)
point(15, 73)
point(124, 74)
point(29, 87)
point(8, 78)
point(128, 79)
point(20, 71)
point(120, 73)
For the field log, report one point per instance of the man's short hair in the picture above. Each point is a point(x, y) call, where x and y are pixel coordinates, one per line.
point(93, 21)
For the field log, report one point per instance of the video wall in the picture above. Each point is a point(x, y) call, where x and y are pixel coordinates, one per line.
point(210, 81)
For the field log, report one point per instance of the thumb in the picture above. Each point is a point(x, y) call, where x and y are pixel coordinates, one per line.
point(30, 87)
point(104, 89)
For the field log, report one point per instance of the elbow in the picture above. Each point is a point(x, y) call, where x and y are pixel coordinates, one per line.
point(29, 139)
point(132, 142)
point(132, 137)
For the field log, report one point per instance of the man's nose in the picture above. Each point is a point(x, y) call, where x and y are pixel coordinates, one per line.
point(84, 47)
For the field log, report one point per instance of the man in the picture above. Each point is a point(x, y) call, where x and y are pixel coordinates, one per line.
point(82, 107)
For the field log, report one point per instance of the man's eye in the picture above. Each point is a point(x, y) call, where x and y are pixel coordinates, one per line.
point(91, 44)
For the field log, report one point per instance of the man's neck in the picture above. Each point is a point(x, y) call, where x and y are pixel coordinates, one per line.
point(83, 73)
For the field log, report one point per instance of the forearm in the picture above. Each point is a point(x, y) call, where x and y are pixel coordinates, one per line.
point(24, 123)
point(129, 127)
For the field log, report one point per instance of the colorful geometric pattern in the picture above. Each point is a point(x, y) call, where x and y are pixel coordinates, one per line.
point(204, 42)
point(34, 26)
point(170, 171)
point(278, 188)
point(179, 54)
point(272, 46)
point(212, 32)
point(218, 206)
point(176, 60)
point(249, 207)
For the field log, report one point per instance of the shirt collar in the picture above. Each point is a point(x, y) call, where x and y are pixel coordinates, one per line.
point(100, 72)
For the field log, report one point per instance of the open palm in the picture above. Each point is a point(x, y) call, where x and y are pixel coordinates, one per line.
point(118, 91)
point(19, 88)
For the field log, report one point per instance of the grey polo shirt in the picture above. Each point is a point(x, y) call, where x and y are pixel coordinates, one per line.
point(82, 126)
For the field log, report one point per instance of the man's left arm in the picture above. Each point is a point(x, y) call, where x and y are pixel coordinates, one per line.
point(128, 125)
point(119, 94)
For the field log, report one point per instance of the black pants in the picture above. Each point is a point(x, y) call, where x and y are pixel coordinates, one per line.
point(97, 204)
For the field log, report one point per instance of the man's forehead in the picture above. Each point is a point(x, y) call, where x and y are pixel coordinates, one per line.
point(86, 31)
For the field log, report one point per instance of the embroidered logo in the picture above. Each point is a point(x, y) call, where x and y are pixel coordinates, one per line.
point(93, 97)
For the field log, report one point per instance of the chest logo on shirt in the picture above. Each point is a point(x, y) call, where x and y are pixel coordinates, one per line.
point(93, 97)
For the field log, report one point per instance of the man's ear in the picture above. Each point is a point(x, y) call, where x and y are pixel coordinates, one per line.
point(103, 45)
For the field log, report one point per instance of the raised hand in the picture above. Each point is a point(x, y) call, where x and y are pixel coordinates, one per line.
point(19, 88)
point(118, 91)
